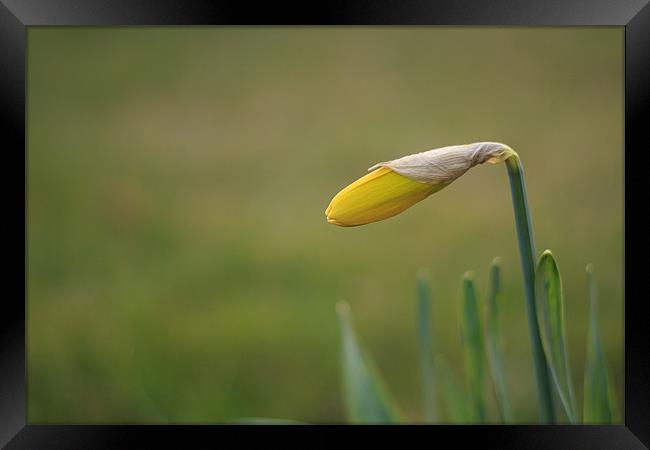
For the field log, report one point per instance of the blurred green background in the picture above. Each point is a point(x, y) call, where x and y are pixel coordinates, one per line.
point(180, 267)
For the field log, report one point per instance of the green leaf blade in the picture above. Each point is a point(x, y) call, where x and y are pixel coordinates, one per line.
point(366, 398)
point(549, 303)
point(494, 345)
point(474, 349)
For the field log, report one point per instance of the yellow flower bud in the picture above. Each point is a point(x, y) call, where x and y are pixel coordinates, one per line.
point(396, 185)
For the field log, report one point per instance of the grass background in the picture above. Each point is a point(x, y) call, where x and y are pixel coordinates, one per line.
point(180, 267)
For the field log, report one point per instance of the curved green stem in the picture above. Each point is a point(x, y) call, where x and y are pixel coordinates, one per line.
point(527, 253)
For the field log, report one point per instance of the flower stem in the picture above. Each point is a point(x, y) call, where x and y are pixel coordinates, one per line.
point(527, 253)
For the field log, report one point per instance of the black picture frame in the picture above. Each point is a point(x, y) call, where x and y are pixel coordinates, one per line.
point(17, 15)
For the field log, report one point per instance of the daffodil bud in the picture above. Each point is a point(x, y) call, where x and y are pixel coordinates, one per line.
point(393, 186)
